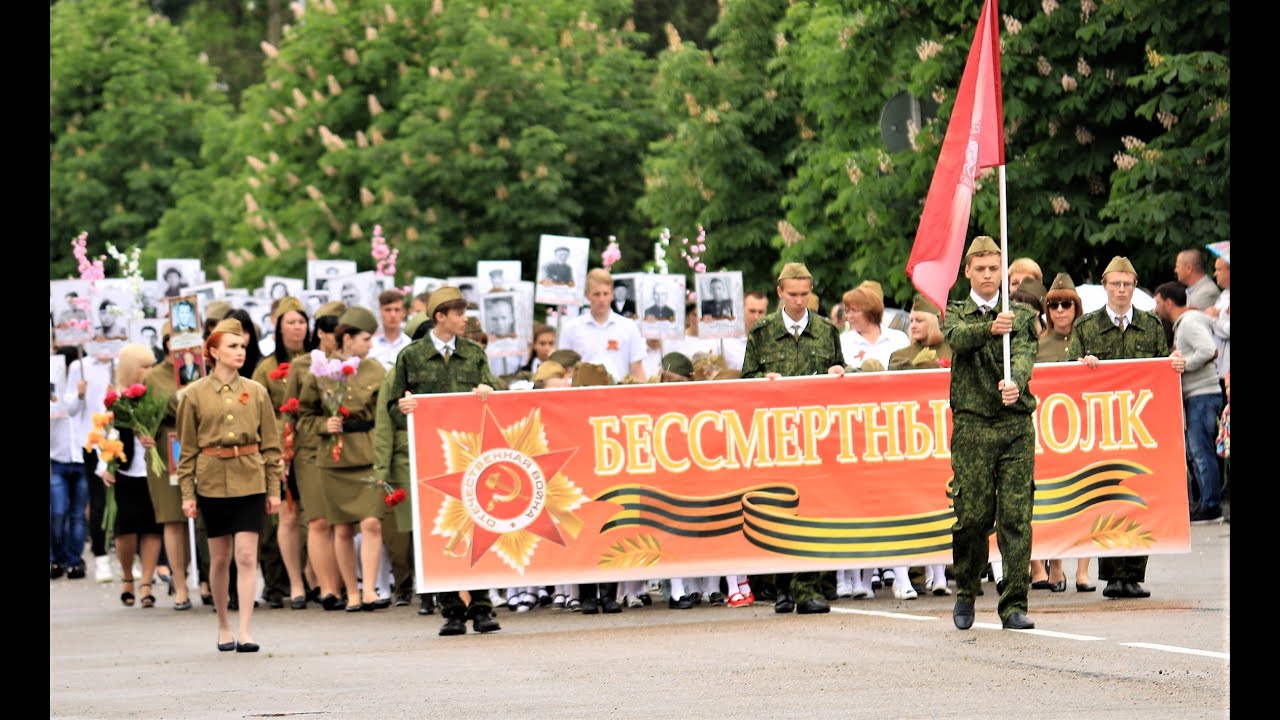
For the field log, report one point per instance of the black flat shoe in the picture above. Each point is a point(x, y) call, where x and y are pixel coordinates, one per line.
point(206, 599)
point(227, 646)
point(1134, 590)
point(359, 608)
point(1060, 586)
point(184, 605)
point(381, 603)
point(682, 603)
point(298, 603)
point(1018, 621)
point(1085, 587)
point(55, 571)
point(246, 647)
point(331, 602)
point(1041, 585)
point(426, 605)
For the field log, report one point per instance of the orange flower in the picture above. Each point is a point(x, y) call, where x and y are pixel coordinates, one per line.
point(244, 398)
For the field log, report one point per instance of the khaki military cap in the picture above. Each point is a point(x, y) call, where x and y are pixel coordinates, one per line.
point(549, 369)
point(1033, 286)
point(874, 287)
point(229, 325)
point(794, 271)
point(360, 318)
point(473, 325)
point(674, 362)
point(415, 322)
point(728, 375)
point(872, 365)
point(924, 304)
point(217, 310)
point(566, 358)
point(443, 294)
point(1119, 264)
point(591, 374)
point(981, 245)
point(334, 308)
point(1062, 282)
point(287, 303)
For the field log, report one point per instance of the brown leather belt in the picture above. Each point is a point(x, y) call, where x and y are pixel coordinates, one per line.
point(230, 451)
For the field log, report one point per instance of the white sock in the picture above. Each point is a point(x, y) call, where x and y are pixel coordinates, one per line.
point(677, 588)
point(997, 569)
point(732, 582)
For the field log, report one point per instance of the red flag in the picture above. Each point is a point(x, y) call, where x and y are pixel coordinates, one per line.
point(974, 140)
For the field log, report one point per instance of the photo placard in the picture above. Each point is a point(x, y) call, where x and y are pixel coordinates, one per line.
point(562, 270)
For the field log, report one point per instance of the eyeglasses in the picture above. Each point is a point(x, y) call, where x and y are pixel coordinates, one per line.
point(1061, 305)
point(1119, 285)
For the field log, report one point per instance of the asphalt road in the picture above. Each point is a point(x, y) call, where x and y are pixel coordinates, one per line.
point(1166, 657)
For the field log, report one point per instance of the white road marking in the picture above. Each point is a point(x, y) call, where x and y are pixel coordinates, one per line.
point(1176, 649)
point(882, 613)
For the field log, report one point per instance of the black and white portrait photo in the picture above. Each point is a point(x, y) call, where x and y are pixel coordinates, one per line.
point(562, 269)
point(498, 315)
point(320, 272)
point(147, 332)
point(177, 274)
point(422, 284)
point(278, 287)
point(624, 295)
point(661, 302)
point(312, 300)
point(497, 275)
point(112, 307)
point(186, 330)
point(469, 288)
point(720, 298)
point(360, 289)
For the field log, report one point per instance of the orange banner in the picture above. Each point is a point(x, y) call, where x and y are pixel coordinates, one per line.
point(639, 482)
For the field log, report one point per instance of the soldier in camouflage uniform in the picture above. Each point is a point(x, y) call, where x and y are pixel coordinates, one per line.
point(992, 440)
point(1119, 331)
point(444, 362)
point(791, 342)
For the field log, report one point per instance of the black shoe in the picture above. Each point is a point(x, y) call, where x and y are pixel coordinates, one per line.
point(1060, 586)
point(298, 603)
point(426, 605)
point(717, 598)
point(360, 607)
point(1041, 585)
point(1113, 589)
point(331, 602)
point(275, 602)
point(184, 605)
point(590, 607)
point(1207, 515)
point(544, 600)
point(784, 604)
point(313, 594)
point(454, 626)
point(485, 622)
point(381, 603)
point(830, 594)
point(1085, 587)
point(645, 599)
point(207, 600)
point(1018, 621)
point(962, 614)
point(55, 571)
point(1133, 590)
point(876, 582)
point(769, 594)
point(404, 599)
point(1000, 587)
point(611, 607)
point(233, 604)
point(246, 647)
point(696, 598)
point(227, 647)
point(75, 572)
point(683, 603)
point(813, 606)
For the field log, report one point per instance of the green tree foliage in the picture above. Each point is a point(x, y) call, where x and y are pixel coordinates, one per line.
point(691, 18)
point(127, 98)
point(464, 130)
point(229, 33)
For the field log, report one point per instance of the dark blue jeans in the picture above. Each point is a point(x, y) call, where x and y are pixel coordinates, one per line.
point(68, 498)
point(1202, 432)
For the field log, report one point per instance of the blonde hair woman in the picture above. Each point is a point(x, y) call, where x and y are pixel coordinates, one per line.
point(135, 524)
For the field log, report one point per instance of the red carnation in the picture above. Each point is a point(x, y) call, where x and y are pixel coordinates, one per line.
point(281, 372)
point(110, 398)
point(135, 391)
point(343, 411)
point(943, 362)
point(396, 497)
point(348, 370)
point(290, 406)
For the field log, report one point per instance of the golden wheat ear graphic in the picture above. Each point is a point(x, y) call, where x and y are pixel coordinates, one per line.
point(639, 551)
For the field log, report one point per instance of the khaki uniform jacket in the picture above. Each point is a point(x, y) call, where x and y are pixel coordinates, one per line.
point(361, 393)
point(1094, 334)
point(306, 430)
point(421, 369)
point(391, 451)
point(770, 348)
point(276, 388)
point(1053, 347)
point(977, 361)
point(211, 414)
point(901, 359)
point(161, 380)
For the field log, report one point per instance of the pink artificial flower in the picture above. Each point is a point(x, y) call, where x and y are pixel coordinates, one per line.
point(701, 267)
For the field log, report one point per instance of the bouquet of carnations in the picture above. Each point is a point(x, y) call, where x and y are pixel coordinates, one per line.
point(331, 377)
point(393, 497)
point(142, 409)
point(106, 440)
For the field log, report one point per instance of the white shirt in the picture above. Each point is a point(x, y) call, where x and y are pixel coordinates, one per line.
point(858, 349)
point(735, 351)
point(441, 345)
point(1222, 332)
point(385, 351)
point(1115, 319)
point(993, 304)
point(791, 325)
point(63, 444)
point(97, 373)
point(615, 344)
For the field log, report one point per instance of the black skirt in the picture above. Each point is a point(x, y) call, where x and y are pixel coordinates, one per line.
point(227, 516)
point(134, 512)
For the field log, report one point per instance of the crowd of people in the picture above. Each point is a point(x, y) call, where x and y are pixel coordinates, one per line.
point(286, 477)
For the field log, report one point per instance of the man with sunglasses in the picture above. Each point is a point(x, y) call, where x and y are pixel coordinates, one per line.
point(1120, 331)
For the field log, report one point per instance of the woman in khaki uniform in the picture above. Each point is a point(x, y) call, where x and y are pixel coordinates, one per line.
point(230, 462)
point(166, 498)
point(352, 494)
point(293, 338)
point(927, 350)
point(306, 450)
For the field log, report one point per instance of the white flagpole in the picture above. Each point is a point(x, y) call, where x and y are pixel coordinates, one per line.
point(1004, 271)
point(193, 574)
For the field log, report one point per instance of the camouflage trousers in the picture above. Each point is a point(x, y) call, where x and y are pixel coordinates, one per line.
point(1124, 569)
point(451, 604)
point(993, 464)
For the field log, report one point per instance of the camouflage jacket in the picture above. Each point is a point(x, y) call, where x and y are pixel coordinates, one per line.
point(421, 369)
point(977, 360)
point(1095, 334)
point(770, 348)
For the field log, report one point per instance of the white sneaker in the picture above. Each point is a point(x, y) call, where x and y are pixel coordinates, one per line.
point(844, 588)
point(634, 602)
point(904, 591)
point(102, 569)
